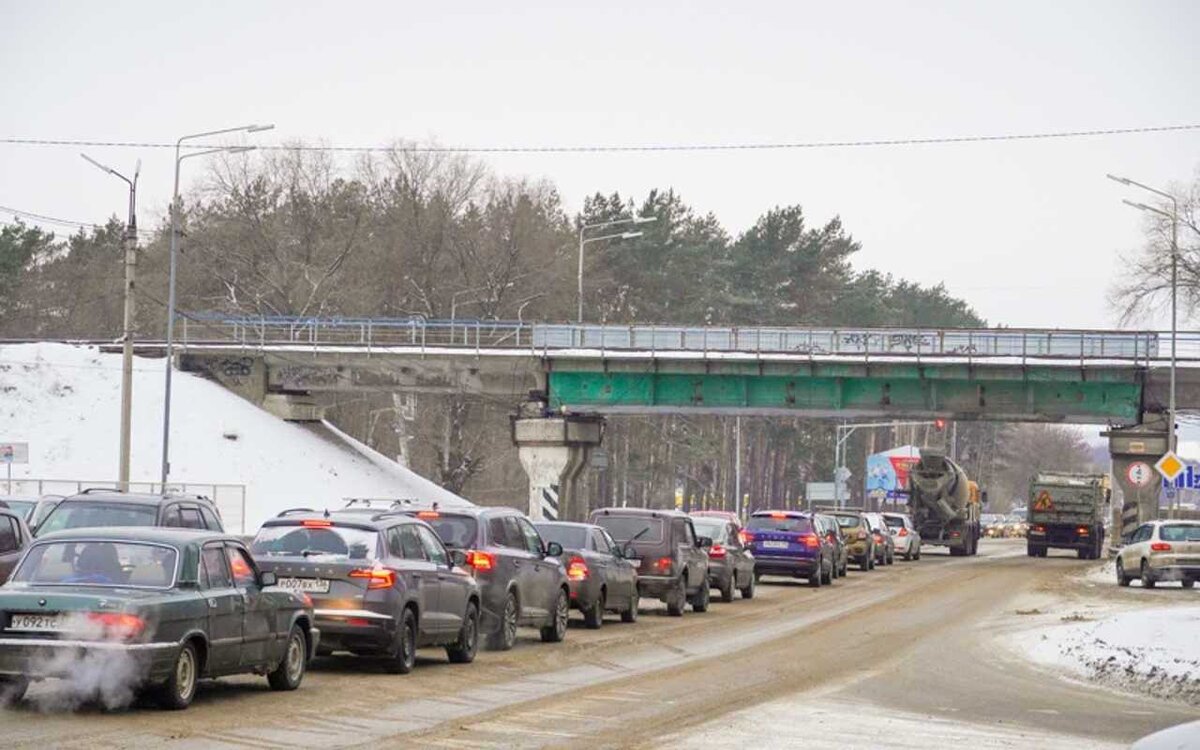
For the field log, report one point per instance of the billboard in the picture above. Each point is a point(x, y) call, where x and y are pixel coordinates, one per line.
point(887, 473)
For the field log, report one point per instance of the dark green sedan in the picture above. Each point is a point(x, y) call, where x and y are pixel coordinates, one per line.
point(153, 609)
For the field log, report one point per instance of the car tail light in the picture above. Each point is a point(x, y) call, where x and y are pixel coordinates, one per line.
point(377, 578)
point(811, 541)
point(317, 524)
point(777, 514)
point(1160, 547)
point(428, 514)
point(577, 569)
point(1083, 530)
point(482, 562)
point(717, 551)
point(118, 625)
point(902, 532)
point(664, 563)
point(746, 537)
point(1038, 528)
point(862, 534)
point(879, 537)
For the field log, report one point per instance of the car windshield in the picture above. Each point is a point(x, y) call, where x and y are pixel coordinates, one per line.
point(848, 522)
point(91, 515)
point(570, 537)
point(455, 531)
point(97, 563)
point(21, 507)
point(625, 528)
point(779, 523)
point(713, 528)
point(894, 521)
point(298, 540)
point(1179, 532)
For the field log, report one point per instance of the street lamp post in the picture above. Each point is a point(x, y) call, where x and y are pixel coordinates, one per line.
point(174, 250)
point(1174, 217)
point(620, 235)
point(129, 243)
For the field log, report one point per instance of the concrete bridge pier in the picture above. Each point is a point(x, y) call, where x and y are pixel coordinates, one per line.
point(554, 450)
point(1142, 443)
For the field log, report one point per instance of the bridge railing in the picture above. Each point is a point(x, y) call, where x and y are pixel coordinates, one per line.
point(541, 338)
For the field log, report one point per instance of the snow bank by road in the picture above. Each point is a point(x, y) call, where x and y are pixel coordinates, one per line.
point(64, 401)
point(1154, 651)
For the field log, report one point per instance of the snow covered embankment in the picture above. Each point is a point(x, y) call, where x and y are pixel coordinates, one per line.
point(1154, 651)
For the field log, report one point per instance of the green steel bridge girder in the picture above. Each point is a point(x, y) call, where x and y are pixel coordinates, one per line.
point(961, 391)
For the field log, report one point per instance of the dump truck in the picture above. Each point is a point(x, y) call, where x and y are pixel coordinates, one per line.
point(1067, 511)
point(944, 503)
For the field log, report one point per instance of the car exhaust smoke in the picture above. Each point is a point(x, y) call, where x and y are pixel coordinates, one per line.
point(109, 678)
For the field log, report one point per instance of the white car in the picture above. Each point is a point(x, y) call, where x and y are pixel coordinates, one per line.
point(1161, 551)
point(905, 536)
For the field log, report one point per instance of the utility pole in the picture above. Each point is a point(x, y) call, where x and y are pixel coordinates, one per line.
point(130, 251)
point(737, 466)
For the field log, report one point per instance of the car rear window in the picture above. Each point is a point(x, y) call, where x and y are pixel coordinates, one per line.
point(848, 522)
point(895, 523)
point(91, 515)
point(625, 528)
point(570, 537)
point(713, 528)
point(779, 523)
point(455, 531)
point(97, 563)
point(298, 540)
point(1179, 532)
point(20, 507)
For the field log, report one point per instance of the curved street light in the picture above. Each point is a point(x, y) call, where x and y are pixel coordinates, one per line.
point(619, 236)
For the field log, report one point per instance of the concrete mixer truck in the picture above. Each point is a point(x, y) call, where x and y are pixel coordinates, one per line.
point(944, 504)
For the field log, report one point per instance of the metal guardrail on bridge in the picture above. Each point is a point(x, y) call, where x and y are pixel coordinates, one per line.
point(1140, 347)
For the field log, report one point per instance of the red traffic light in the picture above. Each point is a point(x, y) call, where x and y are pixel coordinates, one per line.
point(939, 424)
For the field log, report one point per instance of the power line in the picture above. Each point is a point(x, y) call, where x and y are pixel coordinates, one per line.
point(58, 221)
point(600, 148)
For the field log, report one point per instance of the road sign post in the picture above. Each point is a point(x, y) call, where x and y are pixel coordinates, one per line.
point(13, 453)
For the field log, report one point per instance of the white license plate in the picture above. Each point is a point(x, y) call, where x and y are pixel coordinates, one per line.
point(45, 623)
point(635, 562)
point(306, 585)
point(775, 545)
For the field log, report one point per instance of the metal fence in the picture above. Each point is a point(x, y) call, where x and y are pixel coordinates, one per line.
point(230, 499)
point(545, 338)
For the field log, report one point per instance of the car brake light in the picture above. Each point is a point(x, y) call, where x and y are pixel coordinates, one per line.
point(1083, 530)
point(428, 514)
point(317, 524)
point(1160, 547)
point(481, 561)
point(663, 563)
point(377, 578)
point(811, 540)
point(746, 537)
point(879, 537)
point(1038, 527)
point(118, 625)
point(902, 532)
point(717, 551)
point(577, 569)
point(777, 514)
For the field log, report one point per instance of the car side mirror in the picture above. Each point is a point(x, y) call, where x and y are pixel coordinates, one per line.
point(553, 549)
point(458, 557)
point(267, 578)
point(704, 542)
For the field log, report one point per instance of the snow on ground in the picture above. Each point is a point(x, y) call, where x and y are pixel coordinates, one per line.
point(1150, 650)
point(832, 724)
point(64, 401)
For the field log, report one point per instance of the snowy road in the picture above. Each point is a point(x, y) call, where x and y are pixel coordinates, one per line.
point(911, 646)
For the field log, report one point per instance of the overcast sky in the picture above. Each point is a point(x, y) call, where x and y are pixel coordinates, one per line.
point(1028, 232)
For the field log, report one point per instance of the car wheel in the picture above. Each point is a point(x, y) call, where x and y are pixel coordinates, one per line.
point(864, 563)
point(631, 614)
point(1122, 579)
point(814, 580)
point(677, 598)
point(890, 558)
point(907, 554)
point(463, 651)
point(177, 692)
point(594, 617)
point(828, 580)
point(748, 591)
point(701, 599)
point(290, 672)
point(917, 554)
point(1187, 583)
point(404, 651)
point(1147, 578)
point(12, 689)
point(506, 637)
point(556, 631)
point(727, 589)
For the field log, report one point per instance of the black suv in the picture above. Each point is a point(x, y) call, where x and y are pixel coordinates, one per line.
point(521, 580)
point(671, 559)
point(96, 508)
point(382, 584)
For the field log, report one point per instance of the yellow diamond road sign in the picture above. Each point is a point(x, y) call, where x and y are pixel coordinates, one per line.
point(1169, 466)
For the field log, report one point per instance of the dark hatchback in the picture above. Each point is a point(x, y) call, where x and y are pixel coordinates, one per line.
point(100, 508)
point(600, 577)
point(382, 583)
point(671, 558)
point(179, 605)
point(521, 580)
point(788, 543)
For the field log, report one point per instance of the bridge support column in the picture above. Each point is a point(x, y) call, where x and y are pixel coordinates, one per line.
point(1142, 443)
point(554, 450)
